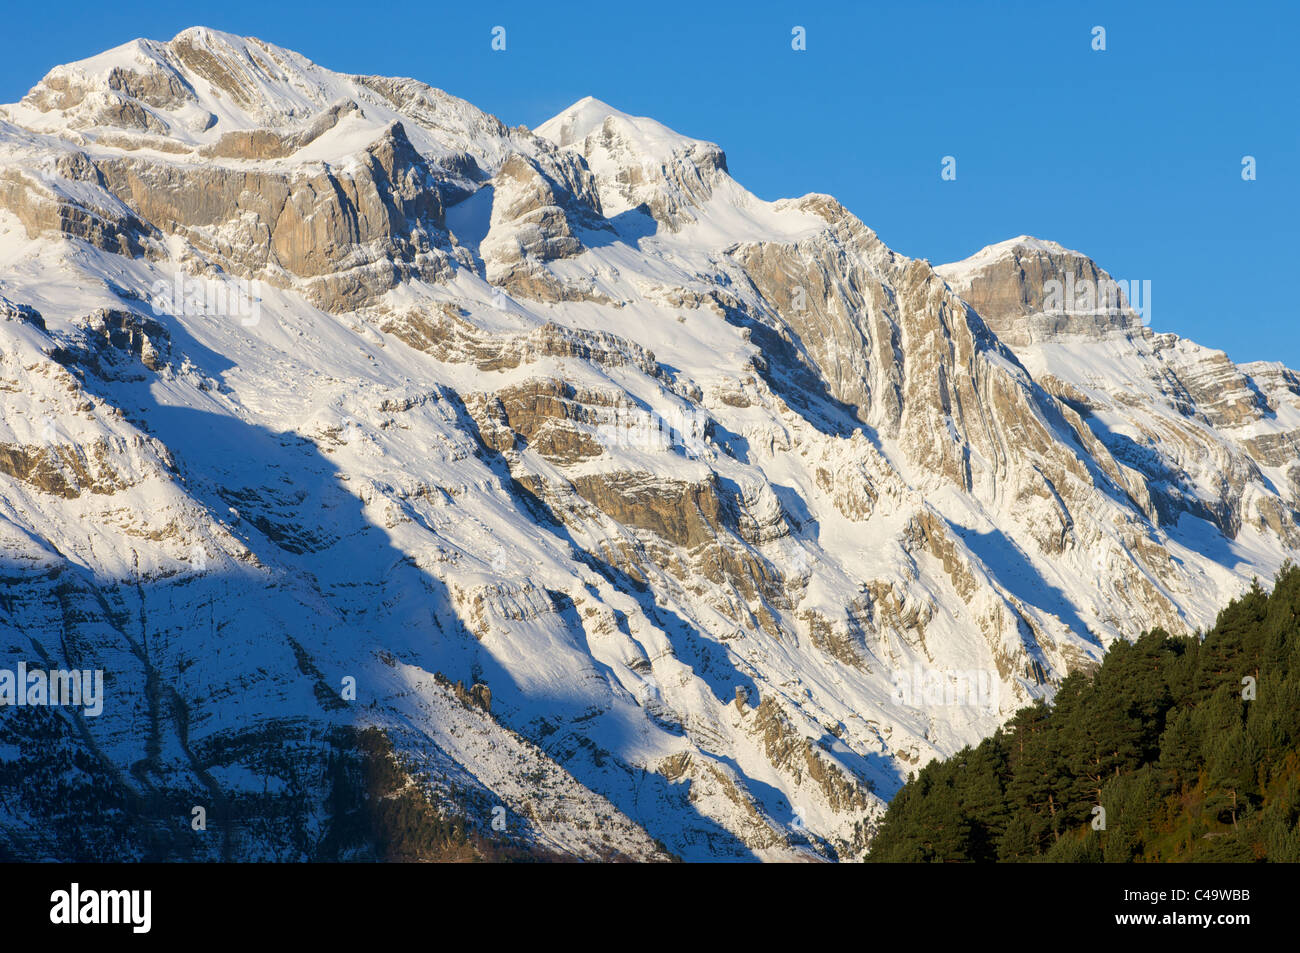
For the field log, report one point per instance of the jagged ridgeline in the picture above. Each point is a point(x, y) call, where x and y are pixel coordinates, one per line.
point(1189, 746)
point(615, 495)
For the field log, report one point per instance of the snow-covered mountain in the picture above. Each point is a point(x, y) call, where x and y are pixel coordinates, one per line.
point(623, 497)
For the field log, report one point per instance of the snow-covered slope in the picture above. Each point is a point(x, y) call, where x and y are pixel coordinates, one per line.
point(625, 498)
point(1215, 442)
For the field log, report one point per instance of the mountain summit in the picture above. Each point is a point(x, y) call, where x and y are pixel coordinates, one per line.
point(629, 510)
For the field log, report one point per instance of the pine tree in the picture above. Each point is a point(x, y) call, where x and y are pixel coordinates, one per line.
point(1187, 765)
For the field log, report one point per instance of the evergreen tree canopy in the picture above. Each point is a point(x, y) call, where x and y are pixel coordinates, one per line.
point(1190, 745)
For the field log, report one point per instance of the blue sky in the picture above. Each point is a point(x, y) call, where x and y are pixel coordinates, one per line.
point(1132, 155)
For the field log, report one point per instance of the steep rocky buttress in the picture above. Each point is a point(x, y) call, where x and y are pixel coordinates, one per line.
point(627, 510)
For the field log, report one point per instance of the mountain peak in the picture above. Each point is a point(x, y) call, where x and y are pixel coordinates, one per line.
point(649, 137)
point(638, 161)
point(207, 36)
point(1019, 287)
point(553, 448)
point(1011, 248)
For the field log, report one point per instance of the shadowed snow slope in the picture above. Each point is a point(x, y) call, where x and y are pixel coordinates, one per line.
point(671, 520)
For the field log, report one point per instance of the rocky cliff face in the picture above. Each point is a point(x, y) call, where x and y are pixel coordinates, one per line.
point(1204, 437)
point(1028, 290)
point(642, 516)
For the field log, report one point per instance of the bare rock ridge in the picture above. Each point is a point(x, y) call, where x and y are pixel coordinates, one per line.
point(671, 521)
point(1204, 429)
point(1011, 285)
